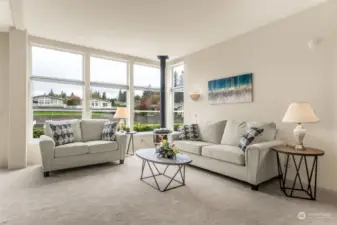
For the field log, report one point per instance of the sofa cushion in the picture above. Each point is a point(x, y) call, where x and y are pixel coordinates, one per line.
point(232, 154)
point(62, 133)
point(109, 131)
point(269, 130)
point(189, 132)
point(233, 132)
point(75, 125)
point(212, 131)
point(92, 129)
point(76, 148)
point(102, 146)
point(193, 147)
point(249, 136)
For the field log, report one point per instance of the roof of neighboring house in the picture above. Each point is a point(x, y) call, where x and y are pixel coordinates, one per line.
point(48, 96)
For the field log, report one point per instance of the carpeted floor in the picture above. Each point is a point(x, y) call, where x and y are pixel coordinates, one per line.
point(113, 194)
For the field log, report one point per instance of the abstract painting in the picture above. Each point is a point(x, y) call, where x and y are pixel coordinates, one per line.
point(235, 89)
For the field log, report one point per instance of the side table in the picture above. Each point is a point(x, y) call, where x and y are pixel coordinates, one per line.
point(310, 175)
point(131, 133)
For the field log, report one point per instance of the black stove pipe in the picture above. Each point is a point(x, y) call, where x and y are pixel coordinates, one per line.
point(162, 59)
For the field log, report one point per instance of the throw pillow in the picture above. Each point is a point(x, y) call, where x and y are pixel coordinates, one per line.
point(109, 131)
point(184, 132)
point(248, 137)
point(62, 133)
point(233, 132)
point(212, 132)
point(194, 132)
point(189, 132)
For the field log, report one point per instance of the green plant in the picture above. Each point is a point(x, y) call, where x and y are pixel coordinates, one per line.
point(145, 127)
point(37, 133)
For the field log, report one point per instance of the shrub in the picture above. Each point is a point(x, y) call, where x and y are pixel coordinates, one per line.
point(145, 127)
point(37, 133)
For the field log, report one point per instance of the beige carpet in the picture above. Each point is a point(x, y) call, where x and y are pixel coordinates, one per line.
point(113, 194)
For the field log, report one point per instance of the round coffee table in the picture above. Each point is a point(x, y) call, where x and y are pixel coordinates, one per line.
point(149, 156)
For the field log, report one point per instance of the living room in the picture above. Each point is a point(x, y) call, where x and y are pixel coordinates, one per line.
point(56, 58)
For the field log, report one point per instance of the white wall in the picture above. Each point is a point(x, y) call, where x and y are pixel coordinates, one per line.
point(285, 70)
point(18, 98)
point(4, 110)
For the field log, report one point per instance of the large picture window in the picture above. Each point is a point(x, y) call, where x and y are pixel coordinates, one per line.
point(108, 87)
point(178, 95)
point(56, 86)
point(146, 98)
point(60, 88)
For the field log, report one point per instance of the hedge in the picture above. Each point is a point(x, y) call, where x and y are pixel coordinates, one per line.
point(137, 127)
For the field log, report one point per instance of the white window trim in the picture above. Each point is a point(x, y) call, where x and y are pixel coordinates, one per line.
point(85, 82)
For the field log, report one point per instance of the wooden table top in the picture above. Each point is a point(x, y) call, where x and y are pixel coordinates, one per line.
point(288, 149)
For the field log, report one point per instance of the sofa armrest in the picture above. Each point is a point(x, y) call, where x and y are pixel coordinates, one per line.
point(174, 136)
point(47, 146)
point(261, 162)
point(121, 139)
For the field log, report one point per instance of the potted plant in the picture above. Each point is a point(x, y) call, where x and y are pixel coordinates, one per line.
point(167, 150)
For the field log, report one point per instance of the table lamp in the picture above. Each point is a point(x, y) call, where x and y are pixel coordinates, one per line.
point(300, 113)
point(121, 114)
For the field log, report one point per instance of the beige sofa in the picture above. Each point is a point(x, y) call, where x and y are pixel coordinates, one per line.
point(218, 151)
point(87, 148)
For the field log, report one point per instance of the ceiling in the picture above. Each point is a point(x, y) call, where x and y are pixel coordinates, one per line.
point(5, 15)
point(147, 28)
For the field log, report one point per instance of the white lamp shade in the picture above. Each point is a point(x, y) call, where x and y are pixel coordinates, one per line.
point(300, 113)
point(121, 113)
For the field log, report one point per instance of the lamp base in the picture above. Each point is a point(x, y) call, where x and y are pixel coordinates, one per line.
point(121, 126)
point(299, 133)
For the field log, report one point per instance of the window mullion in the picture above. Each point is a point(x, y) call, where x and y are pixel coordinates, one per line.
point(86, 96)
point(131, 99)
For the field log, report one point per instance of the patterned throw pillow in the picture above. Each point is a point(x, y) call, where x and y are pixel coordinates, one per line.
point(249, 136)
point(109, 131)
point(189, 132)
point(62, 133)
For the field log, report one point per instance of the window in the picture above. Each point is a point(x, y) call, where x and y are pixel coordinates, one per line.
point(104, 102)
point(56, 86)
point(178, 95)
point(108, 85)
point(146, 98)
point(108, 71)
point(56, 64)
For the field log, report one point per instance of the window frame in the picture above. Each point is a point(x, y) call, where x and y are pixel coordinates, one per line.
point(85, 83)
point(174, 90)
point(141, 88)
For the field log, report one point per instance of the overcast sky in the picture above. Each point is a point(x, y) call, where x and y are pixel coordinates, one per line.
point(58, 64)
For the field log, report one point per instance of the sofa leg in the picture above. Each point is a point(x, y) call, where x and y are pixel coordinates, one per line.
point(121, 161)
point(255, 187)
point(46, 174)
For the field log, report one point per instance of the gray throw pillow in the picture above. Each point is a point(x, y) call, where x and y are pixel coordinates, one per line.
point(62, 133)
point(189, 132)
point(109, 131)
point(249, 136)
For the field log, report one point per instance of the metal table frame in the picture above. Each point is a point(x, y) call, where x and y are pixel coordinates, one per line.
point(180, 170)
point(131, 133)
point(309, 190)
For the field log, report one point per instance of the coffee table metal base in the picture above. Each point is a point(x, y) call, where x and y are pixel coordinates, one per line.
point(180, 171)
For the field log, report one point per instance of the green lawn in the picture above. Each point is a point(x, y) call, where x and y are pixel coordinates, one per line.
point(65, 113)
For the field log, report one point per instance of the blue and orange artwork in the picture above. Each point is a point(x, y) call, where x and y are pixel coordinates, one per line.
point(237, 89)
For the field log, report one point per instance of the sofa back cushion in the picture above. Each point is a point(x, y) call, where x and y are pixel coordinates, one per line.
point(75, 125)
point(211, 132)
point(233, 132)
point(92, 129)
point(269, 130)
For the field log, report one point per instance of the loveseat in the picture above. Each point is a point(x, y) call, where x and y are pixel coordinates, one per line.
point(218, 151)
point(87, 147)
